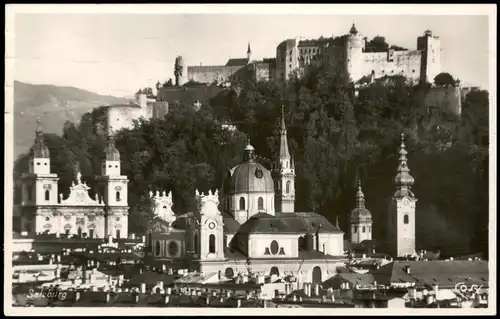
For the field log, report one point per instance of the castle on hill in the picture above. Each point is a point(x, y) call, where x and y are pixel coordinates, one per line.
point(349, 54)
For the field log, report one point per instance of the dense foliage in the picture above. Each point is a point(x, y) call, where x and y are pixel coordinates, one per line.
point(336, 137)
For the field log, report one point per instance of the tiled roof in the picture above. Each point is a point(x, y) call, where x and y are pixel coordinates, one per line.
point(152, 278)
point(194, 278)
point(441, 272)
point(352, 278)
point(231, 226)
point(237, 62)
point(287, 223)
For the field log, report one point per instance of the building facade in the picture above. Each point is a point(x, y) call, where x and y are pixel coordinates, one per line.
point(248, 228)
point(44, 210)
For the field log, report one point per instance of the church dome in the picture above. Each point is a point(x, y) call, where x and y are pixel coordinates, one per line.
point(111, 153)
point(249, 176)
point(179, 61)
point(360, 213)
point(404, 179)
point(40, 150)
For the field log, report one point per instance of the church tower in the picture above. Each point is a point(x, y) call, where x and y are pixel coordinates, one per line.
point(360, 219)
point(211, 227)
point(114, 188)
point(401, 226)
point(284, 173)
point(39, 189)
point(249, 53)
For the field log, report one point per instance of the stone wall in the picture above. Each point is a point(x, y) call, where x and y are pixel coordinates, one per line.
point(445, 98)
point(405, 63)
point(211, 74)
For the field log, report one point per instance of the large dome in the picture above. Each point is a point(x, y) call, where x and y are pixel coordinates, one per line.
point(249, 177)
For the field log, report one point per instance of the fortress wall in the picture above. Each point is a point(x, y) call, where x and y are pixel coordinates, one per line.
point(209, 74)
point(120, 117)
point(404, 63)
point(445, 98)
point(262, 72)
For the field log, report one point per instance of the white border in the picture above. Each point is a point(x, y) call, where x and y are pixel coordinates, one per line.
point(302, 9)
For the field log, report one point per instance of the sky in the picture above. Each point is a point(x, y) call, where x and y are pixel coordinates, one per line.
point(117, 54)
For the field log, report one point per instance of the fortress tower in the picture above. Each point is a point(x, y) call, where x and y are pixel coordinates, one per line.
point(354, 53)
point(431, 56)
point(180, 71)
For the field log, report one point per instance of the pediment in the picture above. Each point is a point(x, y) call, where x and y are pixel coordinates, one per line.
point(79, 195)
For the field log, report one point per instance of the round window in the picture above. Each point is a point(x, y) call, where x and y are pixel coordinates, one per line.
point(274, 247)
point(173, 249)
point(47, 218)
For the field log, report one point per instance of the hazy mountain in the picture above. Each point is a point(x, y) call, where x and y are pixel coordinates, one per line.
point(53, 105)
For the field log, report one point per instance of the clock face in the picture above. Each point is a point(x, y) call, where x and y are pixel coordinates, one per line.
point(212, 225)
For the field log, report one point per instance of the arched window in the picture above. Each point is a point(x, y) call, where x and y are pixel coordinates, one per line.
point(79, 232)
point(355, 229)
point(288, 184)
point(157, 248)
point(47, 195)
point(173, 249)
point(211, 244)
point(260, 203)
point(196, 238)
point(118, 233)
point(364, 229)
point(91, 233)
point(229, 273)
point(242, 203)
point(118, 196)
point(406, 219)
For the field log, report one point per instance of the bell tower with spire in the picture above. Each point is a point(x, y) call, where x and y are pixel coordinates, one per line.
point(114, 188)
point(360, 219)
point(401, 223)
point(284, 173)
point(39, 187)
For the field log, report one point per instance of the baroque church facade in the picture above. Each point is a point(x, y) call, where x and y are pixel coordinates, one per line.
point(250, 226)
point(44, 211)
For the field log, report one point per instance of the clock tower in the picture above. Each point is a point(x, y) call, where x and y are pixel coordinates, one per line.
point(401, 222)
point(211, 227)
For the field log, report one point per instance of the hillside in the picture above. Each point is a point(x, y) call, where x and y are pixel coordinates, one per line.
point(54, 105)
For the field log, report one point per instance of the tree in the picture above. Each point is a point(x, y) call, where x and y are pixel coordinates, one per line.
point(168, 83)
point(377, 44)
point(444, 79)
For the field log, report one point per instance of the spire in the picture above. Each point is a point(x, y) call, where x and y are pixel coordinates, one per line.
point(284, 153)
point(40, 150)
point(403, 179)
point(249, 53)
point(360, 197)
point(353, 29)
point(111, 153)
point(249, 152)
point(249, 50)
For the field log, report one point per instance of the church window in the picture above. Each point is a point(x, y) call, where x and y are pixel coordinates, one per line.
point(242, 203)
point(66, 231)
point(118, 196)
point(47, 218)
point(196, 243)
point(47, 195)
point(118, 233)
point(364, 229)
point(355, 229)
point(274, 247)
point(211, 244)
point(164, 207)
point(282, 251)
point(406, 219)
point(157, 248)
point(288, 187)
point(79, 232)
point(324, 249)
point(229, 273)
point(173, 249)
point(91, 233)
point(37, 163)
point(260, 203)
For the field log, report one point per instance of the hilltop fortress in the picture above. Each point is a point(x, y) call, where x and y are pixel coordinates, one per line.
point(350, 54)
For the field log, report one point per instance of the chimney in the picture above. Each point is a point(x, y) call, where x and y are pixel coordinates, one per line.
point(143, 288)
point(132, 236)
point(167, 299)
point(40, 257)
point(144, 239)
point(169, 290)
point(77, 296)
point(238, 303)
point(407, 270)
point(120, 279)
point(107, 297)
point(208, 300)
point(58, 271)
point(294, 297)
point(287, 289)
point(332, 298)
point(110, 239)
point(136, 297)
